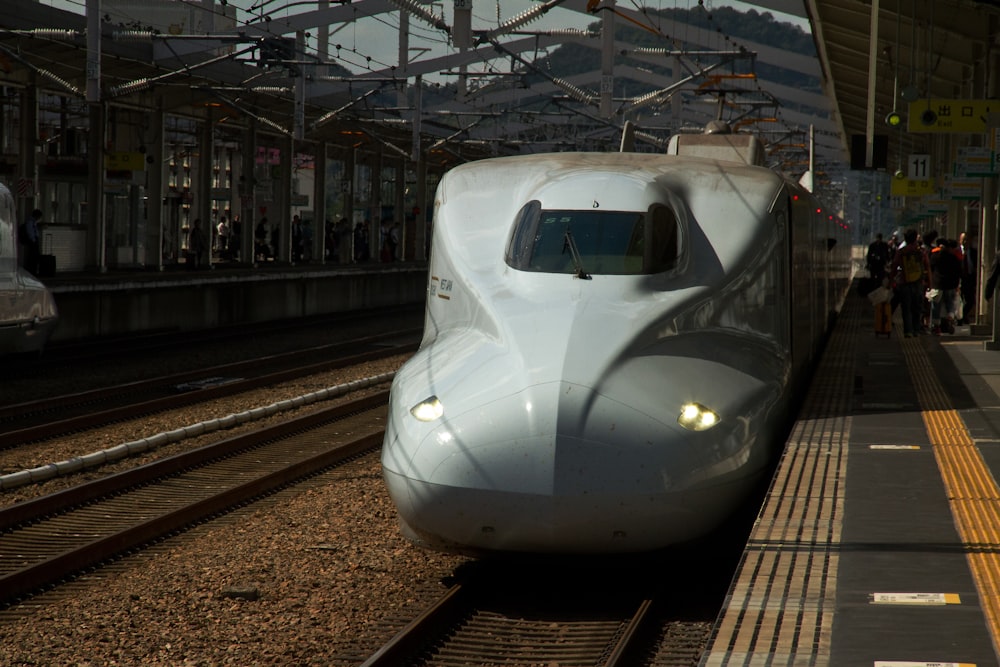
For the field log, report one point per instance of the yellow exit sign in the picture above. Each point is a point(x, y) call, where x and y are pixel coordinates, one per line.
point(946, 115)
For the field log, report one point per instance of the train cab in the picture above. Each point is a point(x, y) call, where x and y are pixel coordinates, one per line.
point(28, 312)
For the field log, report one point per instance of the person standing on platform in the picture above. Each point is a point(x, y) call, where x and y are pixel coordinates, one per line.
point(877, 260)
point(196, 245)
point(298, 239)
point(394, 241)
point(991, 280)
point(276, 241)
point(910, 274)
point(970, 276)
point(29, 236)
point(222, 237)
point(946, 277)
point(361, 242)
point(261, 251)
point(235, 238)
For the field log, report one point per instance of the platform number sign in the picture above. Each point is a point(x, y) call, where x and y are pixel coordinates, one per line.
point(920, 167)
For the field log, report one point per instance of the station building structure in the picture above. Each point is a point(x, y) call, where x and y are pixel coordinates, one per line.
point(125, 134)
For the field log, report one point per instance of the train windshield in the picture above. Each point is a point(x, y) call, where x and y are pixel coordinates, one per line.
point(606, 242)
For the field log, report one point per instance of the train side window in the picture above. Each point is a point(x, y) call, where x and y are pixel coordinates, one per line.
point(653, 247)
point(523, 240)
point(666, 229)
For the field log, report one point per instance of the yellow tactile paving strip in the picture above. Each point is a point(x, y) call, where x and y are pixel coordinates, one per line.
point(780, 606)
point(972, 492)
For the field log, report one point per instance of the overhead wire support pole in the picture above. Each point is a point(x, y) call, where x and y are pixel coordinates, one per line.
point(417, 111)
point(97, 253)
point(93, 51)
point(403, 54)
point(607, 59)
point(299, 117)
point(872, 64)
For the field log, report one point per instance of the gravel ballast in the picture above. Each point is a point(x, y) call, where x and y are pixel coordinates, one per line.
point(332, 576)
point(316, 575)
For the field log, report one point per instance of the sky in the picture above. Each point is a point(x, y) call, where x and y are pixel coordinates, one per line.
point(371, 43)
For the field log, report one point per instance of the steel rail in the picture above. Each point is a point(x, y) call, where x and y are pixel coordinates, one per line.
point(93, 419)
point(42, 573)
point(461, 626)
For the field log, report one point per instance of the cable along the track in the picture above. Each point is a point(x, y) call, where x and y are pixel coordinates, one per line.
point(48, 539)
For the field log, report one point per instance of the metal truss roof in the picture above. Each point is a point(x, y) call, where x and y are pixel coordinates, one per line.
point(510, 105)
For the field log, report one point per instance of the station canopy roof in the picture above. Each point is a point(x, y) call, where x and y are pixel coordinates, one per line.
point(922, 52)
point(48, 47)
point(184, 77)
point(926, 55)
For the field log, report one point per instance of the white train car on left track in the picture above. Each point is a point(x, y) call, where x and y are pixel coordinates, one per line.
point(28, 311)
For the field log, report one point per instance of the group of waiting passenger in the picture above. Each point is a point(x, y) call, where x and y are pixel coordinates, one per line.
point(222, 239)
point(339, 237)
point(932, 278)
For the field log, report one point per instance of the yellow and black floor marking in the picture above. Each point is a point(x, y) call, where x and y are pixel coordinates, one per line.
point(972, 491)
point(898, 566)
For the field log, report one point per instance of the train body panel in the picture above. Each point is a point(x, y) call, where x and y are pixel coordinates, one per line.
point(28, 311)
point(561, 360)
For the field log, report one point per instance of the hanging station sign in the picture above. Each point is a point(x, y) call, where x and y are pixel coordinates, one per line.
point(949, 116)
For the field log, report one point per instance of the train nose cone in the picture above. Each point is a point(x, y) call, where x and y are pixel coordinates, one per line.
point(555, 467)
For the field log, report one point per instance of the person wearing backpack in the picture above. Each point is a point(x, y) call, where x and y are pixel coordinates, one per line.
point(911, 274)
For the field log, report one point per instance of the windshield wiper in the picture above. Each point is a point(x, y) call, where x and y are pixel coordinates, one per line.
point(570, 243)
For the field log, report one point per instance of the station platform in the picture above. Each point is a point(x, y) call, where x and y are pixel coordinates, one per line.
point(878, 544)
point(124, 302)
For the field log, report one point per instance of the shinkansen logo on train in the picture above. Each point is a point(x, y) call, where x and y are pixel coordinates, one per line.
point(441, 287)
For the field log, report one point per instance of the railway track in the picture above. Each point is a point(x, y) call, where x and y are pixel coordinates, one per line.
point(517, 615)
point(35, 421)
point(471, 632)
point(47, 540)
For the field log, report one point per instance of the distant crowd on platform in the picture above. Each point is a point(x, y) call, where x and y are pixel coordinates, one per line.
point(932, 279)
point(342, 243)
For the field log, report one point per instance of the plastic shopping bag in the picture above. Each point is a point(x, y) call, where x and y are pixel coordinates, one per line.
point(881, 294)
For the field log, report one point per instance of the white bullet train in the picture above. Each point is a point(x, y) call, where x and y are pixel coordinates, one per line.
point(28, 311)
point(613, 345)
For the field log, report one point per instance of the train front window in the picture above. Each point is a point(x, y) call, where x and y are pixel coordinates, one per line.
point(609, 242)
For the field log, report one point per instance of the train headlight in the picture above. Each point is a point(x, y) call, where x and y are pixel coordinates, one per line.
point(697, 417)
point(428, 409)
